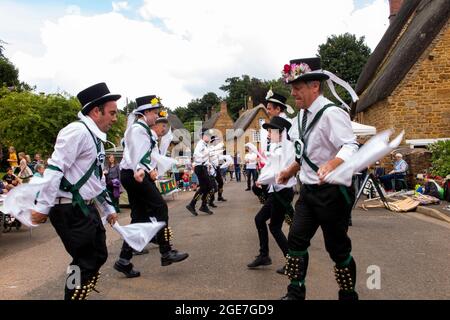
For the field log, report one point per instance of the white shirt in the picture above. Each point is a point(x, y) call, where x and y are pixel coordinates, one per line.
point(74, 153)
point(276, 148)
point(331, 137)
point(137, 145)
point(153, 162)
point(252, 160)
point(284, 116)
point(201, 153)
point(214, 157)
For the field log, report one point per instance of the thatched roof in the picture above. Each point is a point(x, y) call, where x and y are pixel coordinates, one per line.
point(211, 122)
point(174, 121)
point(245, 119)
point(422, 20)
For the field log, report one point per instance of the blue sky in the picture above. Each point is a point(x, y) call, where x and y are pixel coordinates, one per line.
point(101, 6)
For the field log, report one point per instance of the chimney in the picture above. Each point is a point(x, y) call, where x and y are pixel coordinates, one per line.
point(241, 111)
point(223, 107)
point(394, 8)
point(250, 103)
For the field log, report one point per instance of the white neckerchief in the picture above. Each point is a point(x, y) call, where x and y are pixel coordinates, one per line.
point(92, 126)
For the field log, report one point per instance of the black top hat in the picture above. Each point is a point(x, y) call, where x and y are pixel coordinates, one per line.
point(278, 123)
point(306, 69)
point(94, 96)
point(148, 102)
point(277, 99)
point(204, 131)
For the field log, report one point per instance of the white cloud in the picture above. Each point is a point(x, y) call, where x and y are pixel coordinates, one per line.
point(73, 10)
point(183, 49)
point(120, 6)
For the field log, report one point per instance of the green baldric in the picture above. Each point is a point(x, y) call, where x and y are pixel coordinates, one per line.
point(303, 138)
point(74, 189)
point(145, 160)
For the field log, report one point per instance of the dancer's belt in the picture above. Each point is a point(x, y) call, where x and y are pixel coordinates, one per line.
point(62, 200)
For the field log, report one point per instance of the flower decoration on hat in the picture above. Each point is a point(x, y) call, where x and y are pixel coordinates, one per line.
point(163, 114)
point(155, 101)
point(293, 71)
point(269, 94)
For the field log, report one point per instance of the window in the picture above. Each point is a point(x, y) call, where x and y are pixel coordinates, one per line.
point(256, 136)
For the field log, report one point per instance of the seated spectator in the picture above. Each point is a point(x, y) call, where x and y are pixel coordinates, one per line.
point(39, 170)
point(378, 171)
point(3, 189)
point(10, 179)
point(399, 172)
point(37, 159)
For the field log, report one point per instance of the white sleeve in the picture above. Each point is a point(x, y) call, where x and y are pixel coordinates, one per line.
point(67, 147)
point(340, 132)
point(104, 204)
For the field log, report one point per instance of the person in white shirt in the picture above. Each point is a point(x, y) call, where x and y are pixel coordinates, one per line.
point(277, 207)
point(215, 173)
point(251, 164)
point(137, 175)
point(323, 140)
point(201, 162)
point(398, 173)
point(76, 187)
point(276, 107)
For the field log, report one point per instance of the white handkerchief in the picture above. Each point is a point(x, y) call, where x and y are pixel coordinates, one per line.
point(374, 149)
point(138, 235)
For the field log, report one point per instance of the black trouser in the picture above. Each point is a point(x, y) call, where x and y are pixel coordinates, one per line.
point(204, 182)
point(145, 201)
point(251, 174)
point(213, 190)
point(275, 211)
point(324, 206)
point(219, 180)
point(83, 238)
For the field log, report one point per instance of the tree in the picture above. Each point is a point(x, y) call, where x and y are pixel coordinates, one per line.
point(240, 88)
point(196, 109)
point(440, 158)
point(2, 48)
point(31, 122)
point(345, 56)
point(9, 75)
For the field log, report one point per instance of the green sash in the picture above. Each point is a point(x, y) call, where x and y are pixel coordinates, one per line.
point(304, 139)
point(74, 189)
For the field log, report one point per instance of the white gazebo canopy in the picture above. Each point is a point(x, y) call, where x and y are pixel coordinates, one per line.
point(363, 130)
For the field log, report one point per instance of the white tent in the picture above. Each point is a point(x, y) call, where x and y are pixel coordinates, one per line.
point(363, 130)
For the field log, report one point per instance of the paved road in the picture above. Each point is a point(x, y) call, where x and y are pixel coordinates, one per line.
point(412, 252)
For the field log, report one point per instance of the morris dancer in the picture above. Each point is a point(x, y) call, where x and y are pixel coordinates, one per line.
point(76, 188)
point(138, 174)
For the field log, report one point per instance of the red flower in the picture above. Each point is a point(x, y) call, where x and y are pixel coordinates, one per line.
point(287, 68)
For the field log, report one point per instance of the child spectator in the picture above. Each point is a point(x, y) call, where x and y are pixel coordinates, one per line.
point(186, 181)
point(10, 179)
point(39, 170)
point(12, 159)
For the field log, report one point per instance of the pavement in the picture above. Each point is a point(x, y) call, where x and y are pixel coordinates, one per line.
point(410, 250)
